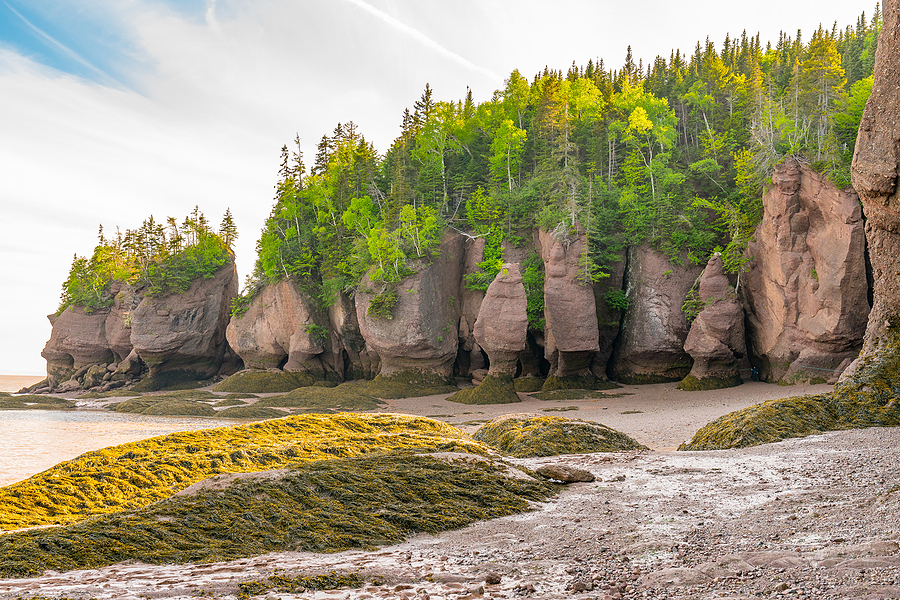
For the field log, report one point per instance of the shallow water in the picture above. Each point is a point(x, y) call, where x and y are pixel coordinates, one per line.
point(34, 440)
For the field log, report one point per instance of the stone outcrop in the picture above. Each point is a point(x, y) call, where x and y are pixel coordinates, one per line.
point(183, 335)
point(279, 330)
point(471, 357)
point(77, 340)
point(422, 333)
point(609, 314)
point(716, 338)
point(501, 328)
point(806, 291)
point(570, 311)
point(650, 347)
point(875, 171)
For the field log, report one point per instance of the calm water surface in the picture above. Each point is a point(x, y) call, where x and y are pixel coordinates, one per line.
point(34, 440)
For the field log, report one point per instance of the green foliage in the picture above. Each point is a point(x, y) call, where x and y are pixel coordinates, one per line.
point(163, 260)
point(382, 304)
point(533, 281)
point(617, 300)
point(525, 436)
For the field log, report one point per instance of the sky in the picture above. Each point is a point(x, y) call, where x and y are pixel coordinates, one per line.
point(113, 110)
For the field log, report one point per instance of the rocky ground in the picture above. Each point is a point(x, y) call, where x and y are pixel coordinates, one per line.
point(817, 517)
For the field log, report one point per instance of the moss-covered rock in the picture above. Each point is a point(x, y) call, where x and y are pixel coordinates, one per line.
point(263, 382)
point(492, 390)
point(229, 402)
point(408, 384)
point(870, 397)
point(251, 412)
point(324, 506)
point(528, 384)
point(133, 475)
point(169, 380)
point(693, 384)
point(577, 382)
point(529, 435)
point(574, 395)
point(134, 405)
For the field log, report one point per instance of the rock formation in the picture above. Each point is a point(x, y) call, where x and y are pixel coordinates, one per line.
point(875, 169)
point(716, 338)
point(650, 347)
point(571, 335)
point(502, 325)
point(279, 330)
point(806, 290)
point(183, 335)
point(422, 333)
point(471, 357)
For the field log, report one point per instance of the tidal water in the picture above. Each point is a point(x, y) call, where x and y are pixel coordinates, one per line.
point(34, 440)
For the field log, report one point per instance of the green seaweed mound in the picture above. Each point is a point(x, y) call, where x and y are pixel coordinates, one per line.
point(528, 384)
point(323, 506)
point(408, 384)
point(493, 390)
point(180, 408)
point(694, 384)
point(868, 398)
point(322, 399)
point(133, 475)
point(251, 412)
point(574, 394)
point(577, 382)
point(529, 435)
point(33, 402)
point(263, 382)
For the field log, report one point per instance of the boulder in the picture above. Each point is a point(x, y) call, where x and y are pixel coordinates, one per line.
point(565, 473)
point(501, 328)
point(650, 346)
point(183, 335)
point(77, 339)
point(279, 330)
point(571, 334)
point(875, 169)
point(421, 333)
point(716, 338)
point(806, 292)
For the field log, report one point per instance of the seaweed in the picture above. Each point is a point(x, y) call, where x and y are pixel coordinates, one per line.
point(180, 408)
point(528, 384)
point(695, 384)
point(492, 390)
point(574, 394)
point(300, 583)
point(322, 399)
point(133, 475)
point(263, 382)
point(577, 382)
point(251, 412)
point(229, 402)
point(33, 402)
point(529, 435)
point(867, 398)
point(322, 506)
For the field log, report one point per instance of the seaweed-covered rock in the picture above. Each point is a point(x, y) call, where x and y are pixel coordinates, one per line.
point(650, 347)
point(421, 332)
point(528, 435)
point(279, 330)
point(716, 338)
point(502, 325)
point(182, 336)
point(570, 311)
point(491, 390)
point(252, 381)
point(806, 290)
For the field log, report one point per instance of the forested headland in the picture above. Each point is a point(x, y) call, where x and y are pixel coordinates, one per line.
point(673, 153)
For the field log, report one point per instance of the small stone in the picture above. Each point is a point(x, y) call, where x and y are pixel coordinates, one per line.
point(493, 578)
point(565, 474)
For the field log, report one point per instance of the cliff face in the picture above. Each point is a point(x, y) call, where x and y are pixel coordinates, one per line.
point(181, 335)
point(876, 164)
point(806, 291)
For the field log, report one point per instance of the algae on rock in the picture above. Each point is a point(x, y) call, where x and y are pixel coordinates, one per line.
point(491, 390)
point(529, 435)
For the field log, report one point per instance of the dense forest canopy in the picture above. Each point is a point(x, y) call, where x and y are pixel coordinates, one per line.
point(674, 153)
